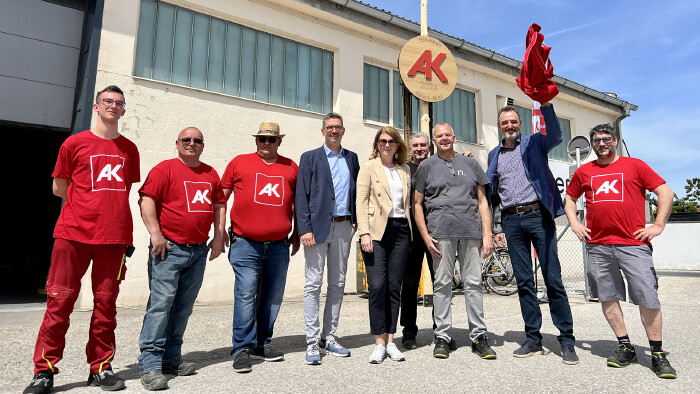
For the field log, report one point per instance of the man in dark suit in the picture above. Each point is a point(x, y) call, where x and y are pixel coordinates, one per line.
point(325, 203)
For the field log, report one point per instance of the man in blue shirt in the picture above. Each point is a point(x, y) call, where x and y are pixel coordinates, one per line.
point(325, 204)
point(525, 200)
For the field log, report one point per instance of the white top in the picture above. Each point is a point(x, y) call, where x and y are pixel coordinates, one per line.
point(397, 209)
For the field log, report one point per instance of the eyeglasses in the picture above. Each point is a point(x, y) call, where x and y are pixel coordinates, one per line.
point(331, 128)
point(449, 167)
point(385, 142)
point(263, 139)
point(605, 140)
point(108, 103)
point(186, 141)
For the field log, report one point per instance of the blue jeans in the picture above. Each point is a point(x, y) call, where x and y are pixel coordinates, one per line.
point(174, 284)
point(537, 228)
point(261, 274)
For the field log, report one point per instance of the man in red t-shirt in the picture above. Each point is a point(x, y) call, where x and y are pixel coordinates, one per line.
point(94, 173)
point(618, 241)
point(263, 186)
point(180, 200)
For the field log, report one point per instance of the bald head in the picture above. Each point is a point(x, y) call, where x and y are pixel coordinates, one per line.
point(190, 144)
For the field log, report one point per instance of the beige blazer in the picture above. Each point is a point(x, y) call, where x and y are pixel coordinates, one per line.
point(374, 197)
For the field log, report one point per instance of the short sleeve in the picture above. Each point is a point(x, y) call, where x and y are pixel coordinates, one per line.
point(227, 179)
point(218, 192)
point(156, 184)
point(64, 163)
point(574, 189)
point(419, 180)
point(648, 177)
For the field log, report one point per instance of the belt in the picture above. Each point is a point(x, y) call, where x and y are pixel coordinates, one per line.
point(520, 209)
point(186, 245)
point(337, 219)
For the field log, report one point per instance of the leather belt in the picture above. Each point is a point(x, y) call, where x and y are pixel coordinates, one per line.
point(521, 209)
point(337, 219)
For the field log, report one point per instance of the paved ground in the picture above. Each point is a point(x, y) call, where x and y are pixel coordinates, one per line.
point(208, 336)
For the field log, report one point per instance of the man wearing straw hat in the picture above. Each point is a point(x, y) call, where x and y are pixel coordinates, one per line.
point(263, 185)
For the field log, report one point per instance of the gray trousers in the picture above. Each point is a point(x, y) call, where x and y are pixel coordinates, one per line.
point(335, 251)
point(467, 250)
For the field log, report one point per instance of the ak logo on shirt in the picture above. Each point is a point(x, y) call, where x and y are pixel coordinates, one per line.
point(107, 172)
point(269, 190)
point(198, 196)
point(608, 187)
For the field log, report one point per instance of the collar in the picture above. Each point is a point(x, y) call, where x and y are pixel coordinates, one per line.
point(517, 142)
point(329, 151)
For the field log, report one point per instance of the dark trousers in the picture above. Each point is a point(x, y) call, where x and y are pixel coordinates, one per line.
point(411, 280)
point(537, 228)
point(385, 268)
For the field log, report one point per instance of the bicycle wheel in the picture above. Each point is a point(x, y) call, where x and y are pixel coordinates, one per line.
point(500, 278)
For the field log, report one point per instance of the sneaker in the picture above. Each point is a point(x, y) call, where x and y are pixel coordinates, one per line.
point(41, 383)
point(241, 362)
point(529, 348)
point(107, 380)
point(393, 352)
point(661, 367)
point(154, 380)
point(378, 354)
point(268, 353)
point(568, 355)
point(453, 344)
point(178, 368)
point(409, 343)
point(624, 356)
point(313, 357)
point(442, 349)
point(334, 348)
point(480, 347)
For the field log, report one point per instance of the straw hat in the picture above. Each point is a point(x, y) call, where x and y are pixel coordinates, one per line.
point(270, 129)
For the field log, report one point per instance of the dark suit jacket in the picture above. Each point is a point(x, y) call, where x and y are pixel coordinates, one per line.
point(315, 195)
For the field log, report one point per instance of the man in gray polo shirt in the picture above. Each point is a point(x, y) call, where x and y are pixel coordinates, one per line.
point(457, 222)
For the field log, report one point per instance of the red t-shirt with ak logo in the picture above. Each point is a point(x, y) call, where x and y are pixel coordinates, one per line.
point(615, 196)
point(185, 198)
point(101, 172)
point(263, 196)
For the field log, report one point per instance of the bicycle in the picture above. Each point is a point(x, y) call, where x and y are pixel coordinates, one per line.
point(496, 273)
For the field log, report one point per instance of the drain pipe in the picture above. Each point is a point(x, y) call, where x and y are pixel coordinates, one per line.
point(618, 126)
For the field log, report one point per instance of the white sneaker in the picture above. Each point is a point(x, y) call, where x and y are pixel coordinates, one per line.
point(377, 355)
point(393, 352)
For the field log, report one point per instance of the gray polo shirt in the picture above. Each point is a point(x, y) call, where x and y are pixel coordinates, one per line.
point(450, 200)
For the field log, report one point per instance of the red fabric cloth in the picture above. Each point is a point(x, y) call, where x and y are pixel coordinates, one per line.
point(185, 199)
point(615, 195)
point(536, 74)
point(101, 172)
point(69, 262)
point(263, 196)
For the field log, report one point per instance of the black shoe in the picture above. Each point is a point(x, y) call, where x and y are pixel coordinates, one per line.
point(661, 367)
point(624, 356)
point(529, 348)
point(442, 349)
point(241, 362)
point(41, 383)
point(179, 368)
point(568, 355)
point(480, 347)
point(154, 380)
point(452, 344)
point(107, 380)
point(268, 353)
point(409, 343)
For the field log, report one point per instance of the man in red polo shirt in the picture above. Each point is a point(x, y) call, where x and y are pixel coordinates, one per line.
point(94, 173)
point(618, 241)
point(180, 200)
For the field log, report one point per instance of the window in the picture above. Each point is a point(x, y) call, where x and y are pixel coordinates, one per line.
point(459, 111)
point(375, 94)
point(559, 151)
point(188, 48)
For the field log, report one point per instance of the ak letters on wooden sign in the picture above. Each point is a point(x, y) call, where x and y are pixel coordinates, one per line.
point(428, 68)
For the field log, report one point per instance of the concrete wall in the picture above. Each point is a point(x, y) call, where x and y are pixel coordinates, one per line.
point(157, 111)
point(677, 247)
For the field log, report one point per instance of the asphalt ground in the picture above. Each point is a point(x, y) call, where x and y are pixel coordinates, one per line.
point(208, 341)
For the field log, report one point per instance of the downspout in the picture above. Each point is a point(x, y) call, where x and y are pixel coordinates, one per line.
point(618, 126)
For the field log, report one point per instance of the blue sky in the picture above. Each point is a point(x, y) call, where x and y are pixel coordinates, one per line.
point(647, 52)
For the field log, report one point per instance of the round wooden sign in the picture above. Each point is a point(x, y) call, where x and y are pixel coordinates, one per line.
point(428, 68)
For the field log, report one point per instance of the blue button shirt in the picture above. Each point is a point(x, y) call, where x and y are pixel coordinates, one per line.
point(341, 180)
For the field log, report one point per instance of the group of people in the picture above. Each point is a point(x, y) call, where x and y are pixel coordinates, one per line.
point(404, 206)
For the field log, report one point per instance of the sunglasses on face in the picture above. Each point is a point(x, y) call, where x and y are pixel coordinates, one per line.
point(263, 140)
point(186, 141)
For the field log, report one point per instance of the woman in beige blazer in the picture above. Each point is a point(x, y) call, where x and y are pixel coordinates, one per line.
point(383, 213)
